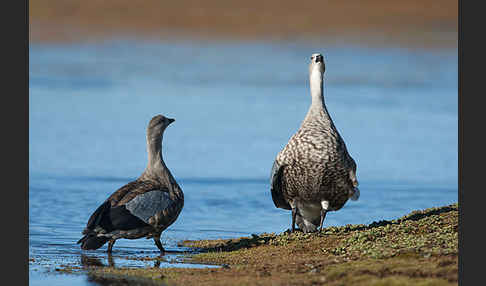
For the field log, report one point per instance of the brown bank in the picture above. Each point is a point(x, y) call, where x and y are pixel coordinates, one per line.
point(420, 248)
point(412, 23)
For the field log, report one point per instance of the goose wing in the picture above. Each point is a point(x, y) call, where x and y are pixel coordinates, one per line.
point(276, 186)
point(130, 207)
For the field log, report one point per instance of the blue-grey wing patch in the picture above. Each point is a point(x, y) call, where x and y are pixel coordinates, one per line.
point(276, 186)
point(146, 205)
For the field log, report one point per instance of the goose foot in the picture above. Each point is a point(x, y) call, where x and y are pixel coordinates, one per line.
point(111, 262)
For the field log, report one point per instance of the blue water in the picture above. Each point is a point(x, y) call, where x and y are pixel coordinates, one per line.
point(236, 105)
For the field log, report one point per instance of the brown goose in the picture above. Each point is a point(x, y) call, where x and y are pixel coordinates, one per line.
point(314, 173)
point(142, 208)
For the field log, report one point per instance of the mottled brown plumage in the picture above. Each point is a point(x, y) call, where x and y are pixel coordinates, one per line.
point(142, 208)
point(314, 173)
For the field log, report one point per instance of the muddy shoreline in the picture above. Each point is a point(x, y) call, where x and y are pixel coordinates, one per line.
point(420, 248)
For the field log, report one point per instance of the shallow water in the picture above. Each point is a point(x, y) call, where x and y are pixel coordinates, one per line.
point(236, 105)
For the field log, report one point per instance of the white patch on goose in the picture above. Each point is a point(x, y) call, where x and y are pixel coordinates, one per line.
point(146, 205)
point(325, 205)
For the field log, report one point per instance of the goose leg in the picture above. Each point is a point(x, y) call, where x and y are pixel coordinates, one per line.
point(323, 215)
point(159, 245)
point(110, 245)
point(325, 207)
point(294, 214)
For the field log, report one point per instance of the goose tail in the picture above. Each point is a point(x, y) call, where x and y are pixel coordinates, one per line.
point(355, 195)
point(90, 241)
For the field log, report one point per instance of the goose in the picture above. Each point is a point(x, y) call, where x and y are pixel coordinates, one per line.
point(142, 208)
point(314, 174)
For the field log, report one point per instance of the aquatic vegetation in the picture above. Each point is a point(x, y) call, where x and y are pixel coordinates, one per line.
point(427, 232)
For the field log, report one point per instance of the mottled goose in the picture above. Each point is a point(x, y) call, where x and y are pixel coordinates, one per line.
point(142, 208)
point(314, 173)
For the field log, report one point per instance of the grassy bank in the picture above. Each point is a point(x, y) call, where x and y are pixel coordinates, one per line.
point(420, 248)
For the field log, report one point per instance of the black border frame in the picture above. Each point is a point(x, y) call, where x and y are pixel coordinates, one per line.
point(15, 89)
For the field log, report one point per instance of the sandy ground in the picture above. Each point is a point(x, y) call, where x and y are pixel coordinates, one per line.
point(420, 23)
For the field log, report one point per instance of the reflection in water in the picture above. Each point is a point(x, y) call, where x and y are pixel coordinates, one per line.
point(125, 281)
point(111, 263)
point(90, 261)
